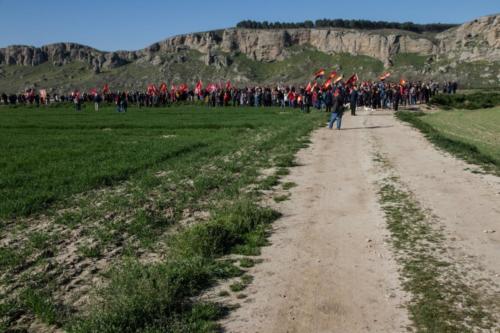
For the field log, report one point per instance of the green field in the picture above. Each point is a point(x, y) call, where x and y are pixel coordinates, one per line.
point(156, 196)
point(473, 135)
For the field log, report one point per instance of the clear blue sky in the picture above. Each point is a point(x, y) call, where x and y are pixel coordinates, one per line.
point(130, 25)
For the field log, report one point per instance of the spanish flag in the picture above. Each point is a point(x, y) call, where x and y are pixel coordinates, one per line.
point(152, 90)
point(352, 80)
point(327, 84)
point(315, 85)
point(163, 87)
point(105, 89)
point(199, 88)
point(338, 79)
point(385, 76)
point(333, 75)
point(319, 73)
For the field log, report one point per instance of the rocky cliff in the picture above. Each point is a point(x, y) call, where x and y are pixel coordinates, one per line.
point(476, 40)
point(470, 53)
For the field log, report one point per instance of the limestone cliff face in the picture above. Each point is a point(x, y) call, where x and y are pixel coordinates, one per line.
point(270, 45)
point(472, 41)
point(475, 40)
point(61, 54)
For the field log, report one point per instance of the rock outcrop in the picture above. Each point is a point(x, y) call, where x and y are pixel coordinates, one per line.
point(472, 41)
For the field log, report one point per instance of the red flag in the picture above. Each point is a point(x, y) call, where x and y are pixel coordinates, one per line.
point(199, 88)
point(384, 76)
point(211, 87)
point(163, 87)
point(309, 87)
point(352, 80)
point(93, 91)
point(152, 90)
point(183, 88)
point(333, 75)
point(327, 84)
point(105, 89)
point(319, 73)
point(228, 85)
point(315, 85)
point(338, 79)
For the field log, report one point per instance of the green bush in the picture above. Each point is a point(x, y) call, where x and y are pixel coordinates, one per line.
point(467, 101)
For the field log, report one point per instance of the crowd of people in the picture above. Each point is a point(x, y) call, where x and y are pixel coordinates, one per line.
point(376, 95)
point(331, 96)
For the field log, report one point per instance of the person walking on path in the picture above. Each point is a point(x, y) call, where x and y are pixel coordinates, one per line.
point(337, 111)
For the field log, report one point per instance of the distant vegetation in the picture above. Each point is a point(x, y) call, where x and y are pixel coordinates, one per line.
point(467, 101)
point(352, 24)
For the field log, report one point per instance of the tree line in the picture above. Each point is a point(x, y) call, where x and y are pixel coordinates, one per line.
point(351, 24)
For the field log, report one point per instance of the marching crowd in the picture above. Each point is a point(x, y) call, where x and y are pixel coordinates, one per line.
point(377, 95)
point(331, 96)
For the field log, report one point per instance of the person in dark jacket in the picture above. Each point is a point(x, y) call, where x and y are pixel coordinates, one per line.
point(328, 100)
point(307, 102)
point(338, 110)
point(354, 100)
point(396, 98)
point(97, 101)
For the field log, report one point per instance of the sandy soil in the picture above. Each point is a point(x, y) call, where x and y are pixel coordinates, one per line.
point(329, 267)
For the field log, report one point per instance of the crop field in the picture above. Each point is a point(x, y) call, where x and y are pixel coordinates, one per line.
point(117, 222)
point(473, 135)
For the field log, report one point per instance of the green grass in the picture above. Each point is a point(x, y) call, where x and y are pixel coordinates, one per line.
point(140, 298)
point(160, 167)
point(289, 185)
point(413, 60)
point(48, 155)
point(41, 305)
point(281, 198)
point(247, 262)
point(242, 284)
point(470, 135)
point(90, 251)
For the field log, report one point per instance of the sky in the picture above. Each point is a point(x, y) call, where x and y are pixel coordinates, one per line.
point(130, 25)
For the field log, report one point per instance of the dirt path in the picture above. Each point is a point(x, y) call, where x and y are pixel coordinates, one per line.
point(330, 267)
